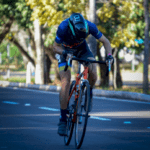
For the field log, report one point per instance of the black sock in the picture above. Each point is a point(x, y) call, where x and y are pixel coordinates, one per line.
point(63, 115)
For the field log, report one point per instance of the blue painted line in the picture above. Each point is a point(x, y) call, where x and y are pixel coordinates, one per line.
point(8, 102)
point(99, 118)
point(127, 122)
point(47, 108)
point(27, 104)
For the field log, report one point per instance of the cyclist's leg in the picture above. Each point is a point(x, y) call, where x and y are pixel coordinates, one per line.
point(64, 93)
point(87, 54)
point(65, 86)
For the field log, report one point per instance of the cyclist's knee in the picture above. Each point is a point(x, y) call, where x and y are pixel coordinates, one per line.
point(92, 76)
point(93, 71)
point(65, 77)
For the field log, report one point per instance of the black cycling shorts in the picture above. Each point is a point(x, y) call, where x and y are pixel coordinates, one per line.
point(82, 51)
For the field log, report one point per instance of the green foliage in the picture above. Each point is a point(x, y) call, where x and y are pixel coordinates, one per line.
point(50, 37)
point(122, 22)
point(23, 14)
point(14, 54)
point(16, 9)
point(7, 7)
point(52, 13)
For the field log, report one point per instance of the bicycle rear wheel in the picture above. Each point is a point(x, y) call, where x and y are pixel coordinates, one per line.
point(82, 113)
point(71, 108)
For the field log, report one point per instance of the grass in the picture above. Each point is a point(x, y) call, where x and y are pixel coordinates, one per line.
point(16, 79)
point(125, 88)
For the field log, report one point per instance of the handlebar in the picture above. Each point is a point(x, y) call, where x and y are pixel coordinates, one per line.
point(86, 62)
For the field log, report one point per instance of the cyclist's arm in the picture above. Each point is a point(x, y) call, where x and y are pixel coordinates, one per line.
point(106, 44)
point(57, 48)
point(98, 35)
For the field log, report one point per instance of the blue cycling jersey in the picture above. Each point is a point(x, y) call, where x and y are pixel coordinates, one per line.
point(64, 35)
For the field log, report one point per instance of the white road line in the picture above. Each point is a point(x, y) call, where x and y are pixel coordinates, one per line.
point(92, 117)
point(30, 115)
point(37, 91)
point(120, 100)
point(29, 128)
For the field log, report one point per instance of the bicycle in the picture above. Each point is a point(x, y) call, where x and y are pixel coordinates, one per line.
point(78, 106)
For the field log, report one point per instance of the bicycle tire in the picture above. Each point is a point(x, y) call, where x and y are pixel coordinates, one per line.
point(70, 123)
point(82, 114)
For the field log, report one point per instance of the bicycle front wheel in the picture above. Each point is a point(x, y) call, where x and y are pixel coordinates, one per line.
point(82, 113)
point(71, 108)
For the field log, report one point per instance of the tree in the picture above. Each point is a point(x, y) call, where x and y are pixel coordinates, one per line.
point(92, 17)
point(146, 49)
point(121, 26)
point(6, 17)
point(39, 72)
point(50, 13)
point(12, 13)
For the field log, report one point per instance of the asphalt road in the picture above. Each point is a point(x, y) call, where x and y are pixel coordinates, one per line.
point(29, 118)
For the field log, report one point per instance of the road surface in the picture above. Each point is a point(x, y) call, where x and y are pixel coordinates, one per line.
point(29, 118)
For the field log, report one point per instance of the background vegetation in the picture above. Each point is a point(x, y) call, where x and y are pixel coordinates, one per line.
point(120, 21)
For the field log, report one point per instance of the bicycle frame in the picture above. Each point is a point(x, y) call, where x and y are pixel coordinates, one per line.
point(78, 79)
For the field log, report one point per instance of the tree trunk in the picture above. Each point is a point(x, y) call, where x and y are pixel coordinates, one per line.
point(92, 17)
point(52, 58)
point(48, 68)
point(117, 80)
point(23, 52)
point(146, 49)
point(39, 71)
point(104, 80)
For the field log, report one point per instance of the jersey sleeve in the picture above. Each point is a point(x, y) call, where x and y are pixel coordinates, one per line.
point(93, 30)
point(59, 36)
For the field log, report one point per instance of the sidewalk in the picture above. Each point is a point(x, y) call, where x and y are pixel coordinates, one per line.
point(128, 78)
point(96, 92)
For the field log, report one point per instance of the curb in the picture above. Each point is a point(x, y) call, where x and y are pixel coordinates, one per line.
point(96, 92)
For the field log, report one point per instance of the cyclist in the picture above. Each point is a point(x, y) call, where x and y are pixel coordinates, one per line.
point(70, 37)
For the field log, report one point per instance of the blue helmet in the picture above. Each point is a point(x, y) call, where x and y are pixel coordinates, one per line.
point(78, 26)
